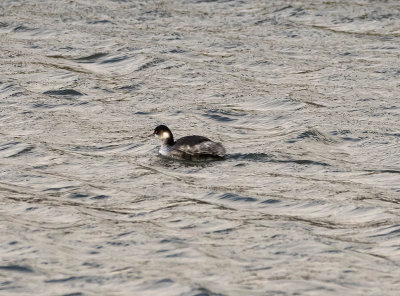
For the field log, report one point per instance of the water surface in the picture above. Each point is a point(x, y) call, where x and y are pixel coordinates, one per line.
point(304, 96)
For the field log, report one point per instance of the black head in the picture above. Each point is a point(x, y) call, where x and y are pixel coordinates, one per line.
point(164, 133)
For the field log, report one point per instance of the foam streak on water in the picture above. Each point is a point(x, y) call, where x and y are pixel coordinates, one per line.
point(304, 95)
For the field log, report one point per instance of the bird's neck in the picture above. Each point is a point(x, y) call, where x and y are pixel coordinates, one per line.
point(169, 141)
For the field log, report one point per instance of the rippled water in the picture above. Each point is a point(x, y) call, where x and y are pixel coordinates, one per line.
point(304, 95)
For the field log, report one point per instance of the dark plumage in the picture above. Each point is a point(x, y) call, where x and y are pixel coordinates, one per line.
point(189, 147)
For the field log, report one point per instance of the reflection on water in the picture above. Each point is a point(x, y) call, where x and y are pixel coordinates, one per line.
point(302, 95)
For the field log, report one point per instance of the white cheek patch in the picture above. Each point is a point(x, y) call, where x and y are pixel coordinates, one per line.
point(165, 135)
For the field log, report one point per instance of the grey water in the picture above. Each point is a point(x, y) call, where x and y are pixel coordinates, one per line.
point(304, 95)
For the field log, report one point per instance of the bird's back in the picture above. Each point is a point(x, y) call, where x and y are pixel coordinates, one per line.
point(199, 145)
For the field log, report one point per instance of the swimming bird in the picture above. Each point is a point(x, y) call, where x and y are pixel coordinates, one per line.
point(189, 147)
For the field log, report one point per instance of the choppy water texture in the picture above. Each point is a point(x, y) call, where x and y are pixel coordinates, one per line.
point(304, 95)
